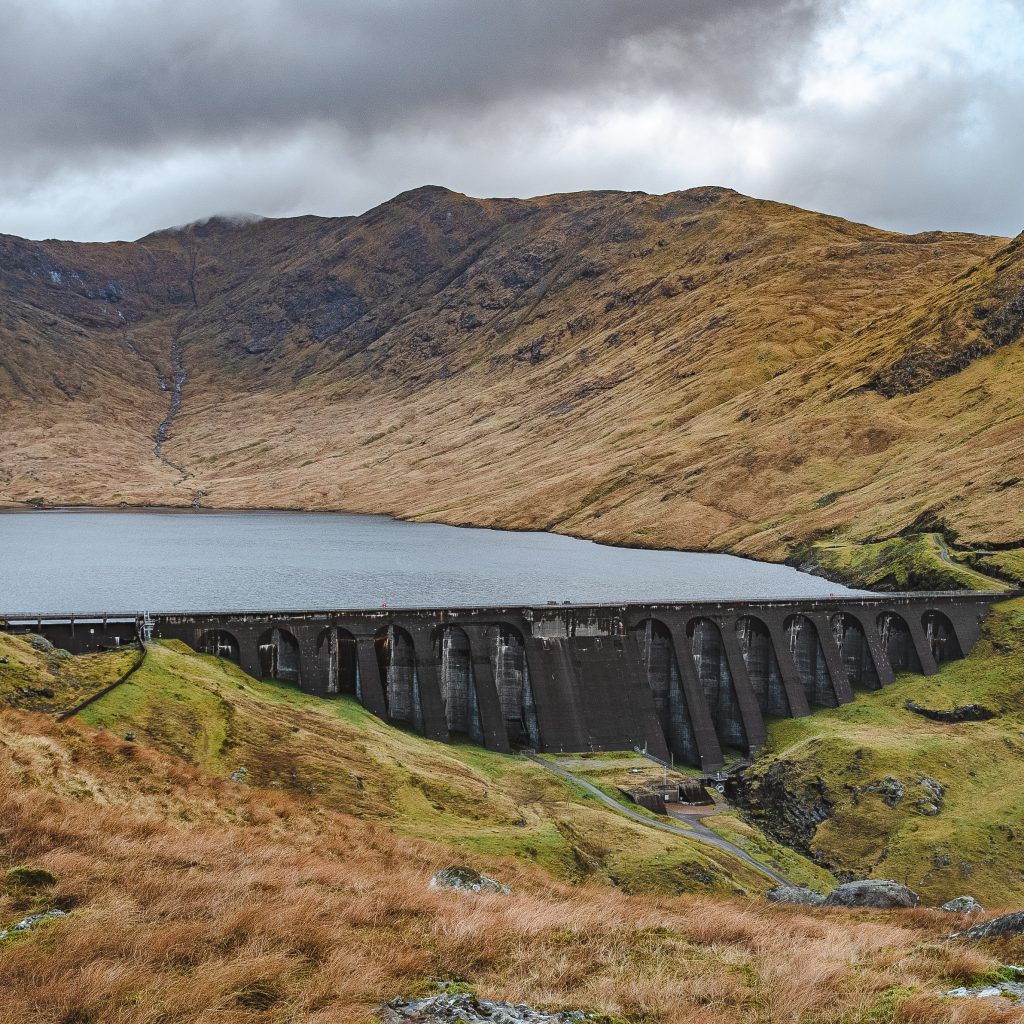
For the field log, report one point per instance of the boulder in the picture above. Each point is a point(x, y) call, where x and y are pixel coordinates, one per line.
point(40, 643)
point(963, 905)
point(1008, 924)
point(795, 894)
point(467, 1009)
point(880, 893)
point(466, 879)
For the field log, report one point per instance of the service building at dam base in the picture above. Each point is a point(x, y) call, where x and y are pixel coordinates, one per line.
point(683, 681)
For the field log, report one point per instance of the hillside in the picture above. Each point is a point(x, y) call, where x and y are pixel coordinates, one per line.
point(694, 370)
point(873, 789)
point(189, 895)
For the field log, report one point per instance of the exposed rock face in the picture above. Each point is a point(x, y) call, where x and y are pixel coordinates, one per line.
point(963, 905)
point(890, 789)
point(466, 880)
point(963, 713)
point(881, 893)
point(1008, 924)
point(788, 812)
point(795, 894)
point(467, 1009)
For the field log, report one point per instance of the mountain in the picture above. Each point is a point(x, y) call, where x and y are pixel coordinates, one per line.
point(694, 370)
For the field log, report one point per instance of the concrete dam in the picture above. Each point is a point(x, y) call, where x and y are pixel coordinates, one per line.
point(689, 680)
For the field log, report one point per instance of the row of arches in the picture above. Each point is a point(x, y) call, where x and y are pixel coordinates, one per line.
point(410, 680)
point(399, 673)
point(805, 646)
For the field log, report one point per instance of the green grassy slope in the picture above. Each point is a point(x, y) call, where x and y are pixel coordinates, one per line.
point(847, 757)
point(211, 714)
point(36, 678)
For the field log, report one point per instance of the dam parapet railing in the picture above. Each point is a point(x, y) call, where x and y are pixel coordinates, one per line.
point(684, 680)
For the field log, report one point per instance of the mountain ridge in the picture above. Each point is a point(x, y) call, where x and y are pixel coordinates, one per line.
point(698, 369)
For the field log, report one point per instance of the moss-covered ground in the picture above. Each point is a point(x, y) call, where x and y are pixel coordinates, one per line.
point(53, 680)
point(208, 712)
point(923, 561)
point(972, 839)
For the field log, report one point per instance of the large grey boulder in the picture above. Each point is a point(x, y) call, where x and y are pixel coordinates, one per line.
point(464, 879)
point(963, 905)
point(879, 893)
point(467, 1009)
point(795, 894)
point(1008, 924)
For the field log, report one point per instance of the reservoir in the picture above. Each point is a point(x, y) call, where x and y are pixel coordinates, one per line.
point(84, 561)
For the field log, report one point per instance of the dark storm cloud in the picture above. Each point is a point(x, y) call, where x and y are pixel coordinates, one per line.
point(131, 75)
point(120, 116)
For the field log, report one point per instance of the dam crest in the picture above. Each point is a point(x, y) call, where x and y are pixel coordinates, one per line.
point(689, 681)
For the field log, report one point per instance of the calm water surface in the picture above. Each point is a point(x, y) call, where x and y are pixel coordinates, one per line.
point(86, 561)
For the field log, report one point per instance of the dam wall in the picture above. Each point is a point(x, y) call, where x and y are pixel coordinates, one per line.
point(690, 681)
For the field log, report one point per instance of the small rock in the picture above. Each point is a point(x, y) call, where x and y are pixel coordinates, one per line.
point(130, 737)
point(795, 894)
point(466, 880)
point(240, 775)
point(28, 923)
point(467, 1009)
point(1008, 924)
point(890, 789)
point(880, 893)
point(963, 905)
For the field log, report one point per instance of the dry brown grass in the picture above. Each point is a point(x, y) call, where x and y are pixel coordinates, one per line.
point(194, 899)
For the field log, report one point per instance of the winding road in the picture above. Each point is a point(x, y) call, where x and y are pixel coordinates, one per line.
point(692, 830)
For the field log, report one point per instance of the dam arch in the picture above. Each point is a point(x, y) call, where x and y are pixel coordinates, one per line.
point(811, 664)
point(221, 644)
point(507, 653)
point(716, 681)
point(279, 655)
point(457, 682)
point(898, 642)
point(763, 668)
point(661, 666)
point(855, 651)
point(338, 658)
point(396, 662)
point(941, 636)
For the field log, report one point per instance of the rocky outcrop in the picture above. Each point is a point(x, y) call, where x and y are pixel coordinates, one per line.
point(878, 893)
point(963, 713)
point(963, 905)
point(798, 894)
point(1008, 924)
point(467, 1009)
point(465, 879)
point(784, 804)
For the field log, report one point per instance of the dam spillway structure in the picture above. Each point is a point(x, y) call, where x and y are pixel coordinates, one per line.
point(691, 681)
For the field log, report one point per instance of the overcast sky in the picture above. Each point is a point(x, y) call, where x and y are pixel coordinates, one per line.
point(121, 116)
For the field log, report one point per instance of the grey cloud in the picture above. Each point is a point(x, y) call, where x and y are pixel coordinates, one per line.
point(102, 75)
point(121, 116)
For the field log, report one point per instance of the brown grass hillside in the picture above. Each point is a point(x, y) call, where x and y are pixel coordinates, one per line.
point(193, 899)
point(694, 370)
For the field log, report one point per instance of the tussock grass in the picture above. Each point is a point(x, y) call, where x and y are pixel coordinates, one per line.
point(195, 899)
point(209, 713)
